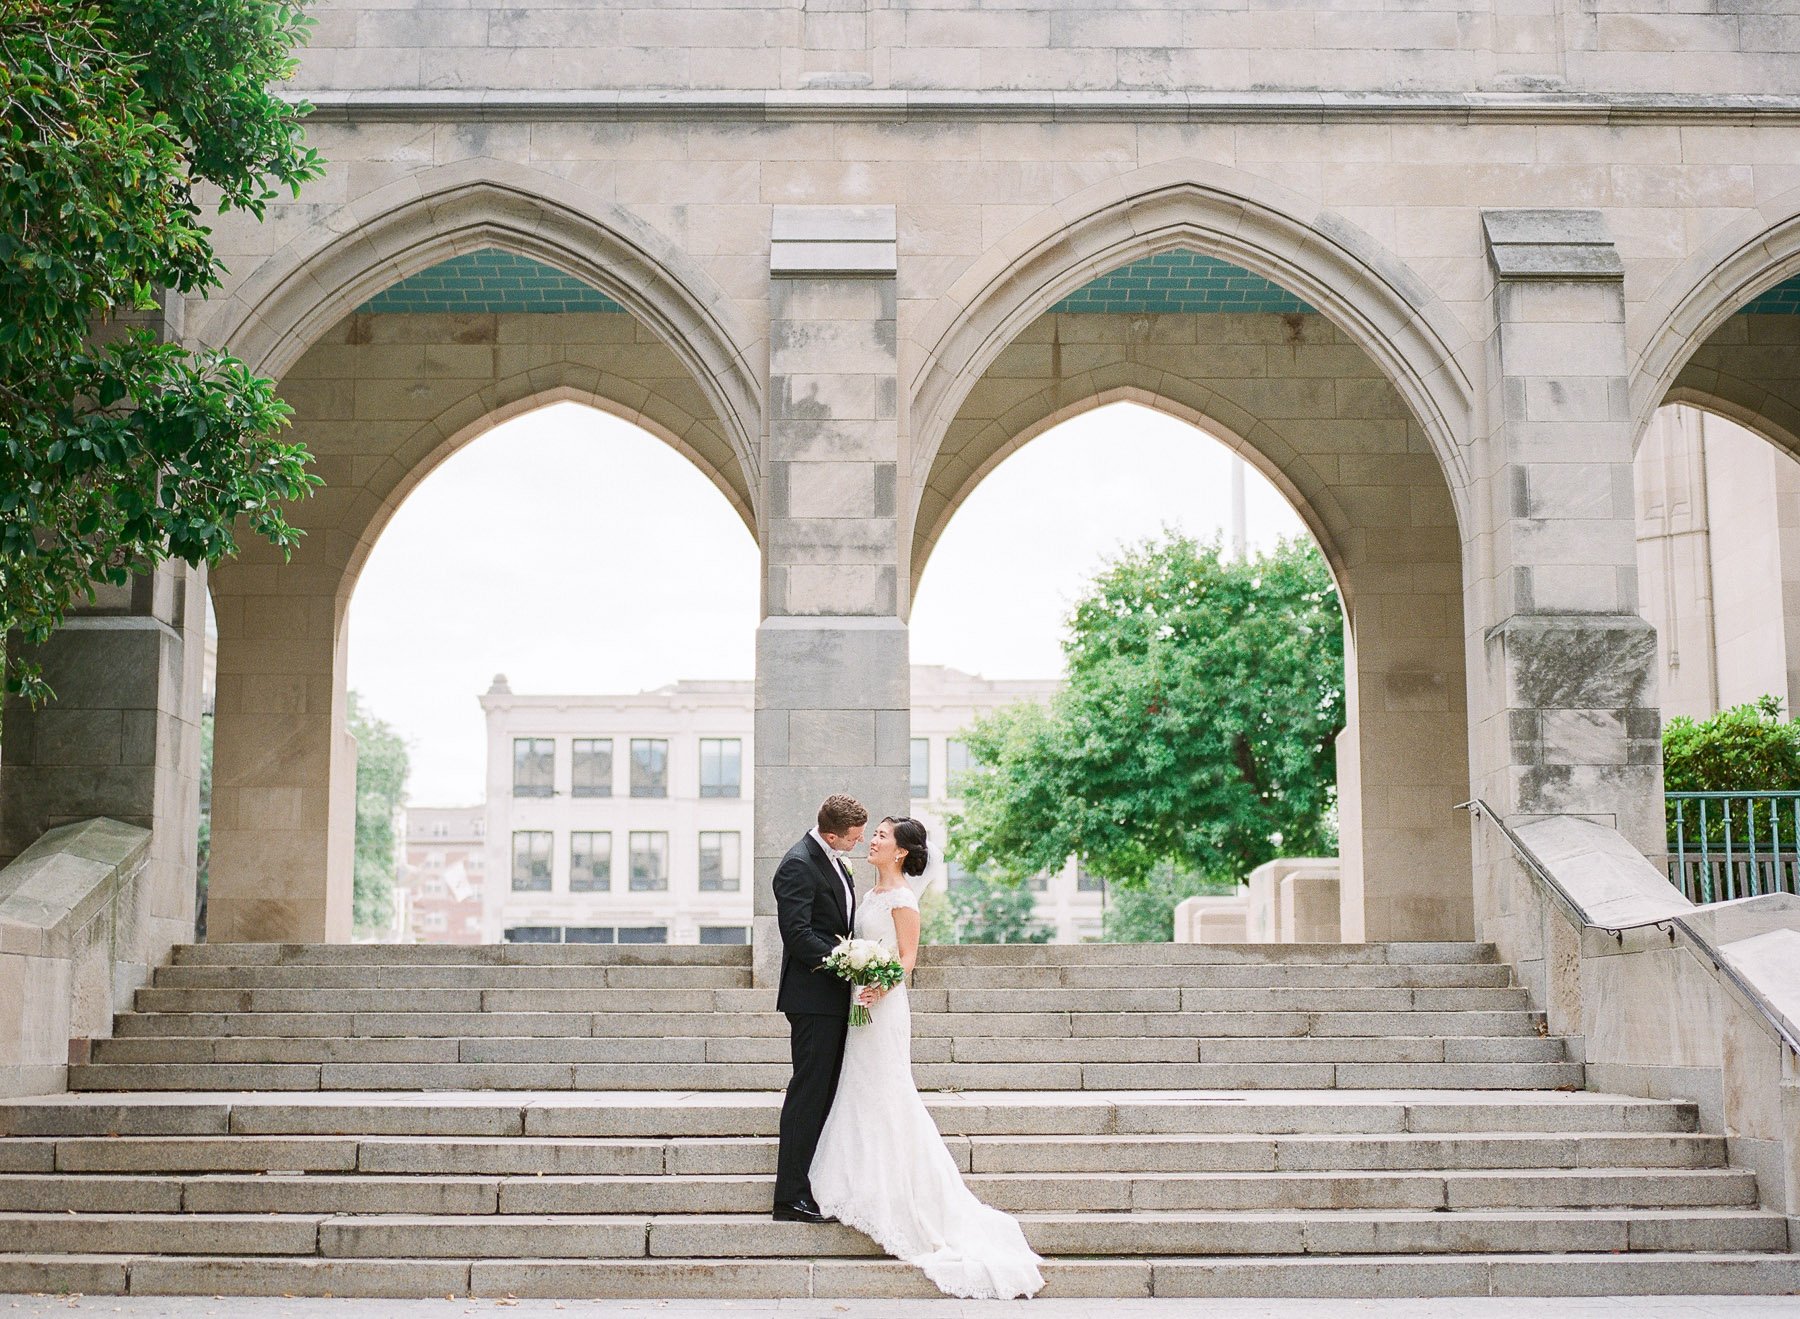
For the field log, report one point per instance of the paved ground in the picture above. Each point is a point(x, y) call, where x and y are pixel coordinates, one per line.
point(1622, 1307)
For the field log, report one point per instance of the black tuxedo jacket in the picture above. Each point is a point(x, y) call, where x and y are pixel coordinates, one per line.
point(809, 906)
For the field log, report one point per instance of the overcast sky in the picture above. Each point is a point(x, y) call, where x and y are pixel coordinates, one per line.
point(575, 553)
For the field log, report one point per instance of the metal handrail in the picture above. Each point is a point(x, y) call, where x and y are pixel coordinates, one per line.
point(1717, 856)
point(1675, 925)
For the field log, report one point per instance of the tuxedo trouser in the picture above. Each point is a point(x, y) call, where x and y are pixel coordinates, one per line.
point(818, 1050)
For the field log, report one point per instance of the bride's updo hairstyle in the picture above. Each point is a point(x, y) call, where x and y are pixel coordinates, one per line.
point(909, 837)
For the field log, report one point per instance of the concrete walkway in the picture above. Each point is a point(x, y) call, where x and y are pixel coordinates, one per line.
point(1586, 1307)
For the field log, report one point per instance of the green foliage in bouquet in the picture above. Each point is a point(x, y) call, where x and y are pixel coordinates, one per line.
point(864, 962)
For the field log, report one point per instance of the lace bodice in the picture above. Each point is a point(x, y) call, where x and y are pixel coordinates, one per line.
point(875, 914)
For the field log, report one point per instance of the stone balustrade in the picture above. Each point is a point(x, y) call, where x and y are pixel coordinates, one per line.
point(72, 947)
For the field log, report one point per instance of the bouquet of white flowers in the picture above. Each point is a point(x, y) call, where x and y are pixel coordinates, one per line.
point(864, 962)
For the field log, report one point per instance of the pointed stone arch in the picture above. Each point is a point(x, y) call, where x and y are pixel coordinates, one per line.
point(1392, 315)
point(375, 241)
point(1743, 260)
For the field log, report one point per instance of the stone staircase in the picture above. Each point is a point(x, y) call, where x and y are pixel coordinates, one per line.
point(1379, 1119)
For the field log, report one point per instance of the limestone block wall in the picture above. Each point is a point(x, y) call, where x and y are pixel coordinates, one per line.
point(1630, 45)
point(1311, 410)
point(121, 739)
point(1366, 208)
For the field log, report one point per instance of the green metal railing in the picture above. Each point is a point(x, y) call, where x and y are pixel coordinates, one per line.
point(1725, 845)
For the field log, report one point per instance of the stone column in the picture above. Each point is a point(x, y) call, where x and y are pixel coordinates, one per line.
point(281, 855)
point(1567, 664)
point(833, 687)
point(120, 739)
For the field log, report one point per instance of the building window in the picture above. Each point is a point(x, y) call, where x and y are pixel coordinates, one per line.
point(590, 767)
point(1086, 881)
point(649, 767)
point(649, 865)
point(956, 875)
point(724, 934)
point(921, 768)
point(590, 862)
point(587, 934)
point(534, 934)
point(958, 764)
point(719, 862)
point(721, 767)
point(534, 766)
point(643, 934)
point(531, 861)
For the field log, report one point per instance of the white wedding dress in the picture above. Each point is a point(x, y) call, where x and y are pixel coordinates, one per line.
point(881, 1165)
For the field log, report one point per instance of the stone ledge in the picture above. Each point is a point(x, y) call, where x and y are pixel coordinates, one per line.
point(1199, 107)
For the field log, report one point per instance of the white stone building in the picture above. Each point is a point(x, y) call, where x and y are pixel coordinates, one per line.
point(1719, 562)
point(627, 818)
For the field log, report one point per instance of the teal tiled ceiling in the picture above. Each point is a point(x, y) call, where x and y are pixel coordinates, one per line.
point(1180, 281)
point(1782, 300)
point(490, 281)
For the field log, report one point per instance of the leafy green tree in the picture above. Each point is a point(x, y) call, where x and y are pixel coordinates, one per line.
point(118, 450)
point(984, 909)
point(381, 766)
point(1146, 914)
point(1196, 729)
point(1748, 748)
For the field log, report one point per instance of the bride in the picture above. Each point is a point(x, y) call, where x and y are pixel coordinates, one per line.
point(881, 1165)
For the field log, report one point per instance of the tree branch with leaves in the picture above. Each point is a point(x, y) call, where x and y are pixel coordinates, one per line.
point(119, 449)
point(1196, 732)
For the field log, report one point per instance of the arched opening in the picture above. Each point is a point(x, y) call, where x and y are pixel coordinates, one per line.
point(562, 589)
point(419, 371)
point(1718, 484)
point(1718, 477)
point(1062, 505)
point(1301, 383)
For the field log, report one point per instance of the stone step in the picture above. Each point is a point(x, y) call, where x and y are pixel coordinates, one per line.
point(1056, 1076)
point(643, 1115)
point(579, 976)
point(755, 1155)
point(770, 1049)
point(1013, 1025)
point(754, 1236)
point(442, 1194)
point(984, 1001)
point(1660, 1273)
point(427, 954)
point(434, 976)
point(1221, 975)
point(932, 955)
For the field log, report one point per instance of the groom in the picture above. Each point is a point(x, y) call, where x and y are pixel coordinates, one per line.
point(815, 905)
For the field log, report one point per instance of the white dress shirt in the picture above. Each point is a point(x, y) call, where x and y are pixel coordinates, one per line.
point(837, 864)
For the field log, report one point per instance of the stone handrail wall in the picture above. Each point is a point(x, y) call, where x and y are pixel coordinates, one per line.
point(71, 946)
point(1623, 963)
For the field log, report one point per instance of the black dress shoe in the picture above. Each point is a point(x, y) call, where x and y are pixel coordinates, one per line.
point(801, 1211)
